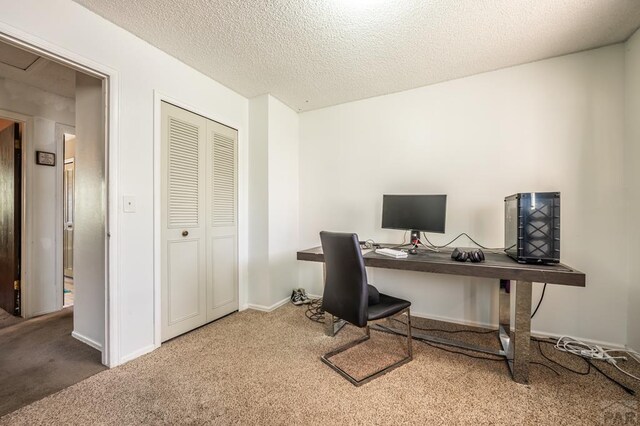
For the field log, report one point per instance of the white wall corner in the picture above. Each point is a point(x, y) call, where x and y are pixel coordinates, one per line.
point(632, 190)
point(269, 308)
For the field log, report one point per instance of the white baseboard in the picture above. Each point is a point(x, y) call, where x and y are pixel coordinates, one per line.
point(139, 352)
point(268, 308)
point(87, 340)
point(602, 343)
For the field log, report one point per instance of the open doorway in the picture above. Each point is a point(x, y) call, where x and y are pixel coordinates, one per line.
point(53, 239)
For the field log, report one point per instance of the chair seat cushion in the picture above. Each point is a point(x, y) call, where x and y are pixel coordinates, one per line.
point(387, 306)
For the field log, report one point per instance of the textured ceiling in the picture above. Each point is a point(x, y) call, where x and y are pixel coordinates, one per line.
point(316, 53)
point(38, 72)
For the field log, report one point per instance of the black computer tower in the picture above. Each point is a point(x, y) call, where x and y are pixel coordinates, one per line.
point(532, 227)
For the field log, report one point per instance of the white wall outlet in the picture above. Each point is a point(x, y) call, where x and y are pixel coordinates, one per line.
point(129, 204)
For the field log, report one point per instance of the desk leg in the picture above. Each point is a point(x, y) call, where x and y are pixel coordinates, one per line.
point(522, 332)
point(517, 346)
point(504, 313)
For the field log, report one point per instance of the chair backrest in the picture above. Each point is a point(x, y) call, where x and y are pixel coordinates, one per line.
point(345, 289)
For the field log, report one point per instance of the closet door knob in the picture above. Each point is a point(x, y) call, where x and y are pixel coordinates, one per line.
point(185, 233)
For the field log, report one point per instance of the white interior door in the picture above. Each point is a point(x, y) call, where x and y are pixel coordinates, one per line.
point(183, 257)
point(69, 201)
point(222, 229)
point(199, 221)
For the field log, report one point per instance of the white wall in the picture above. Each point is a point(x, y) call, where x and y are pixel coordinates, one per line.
point(553, 125)
point(90, 207)
point(35, 102)
point(41, 270)
point(259, 290)
point(632, 155)
point(142, 69)
point(283, 198)
point(273, 201)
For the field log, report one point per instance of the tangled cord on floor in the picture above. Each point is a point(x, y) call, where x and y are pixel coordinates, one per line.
point(446, 349)
point(314, 311)
point(448, 331)
point(587, 360)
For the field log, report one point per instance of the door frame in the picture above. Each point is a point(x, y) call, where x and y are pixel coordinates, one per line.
point(111, 85)
point(25, 261)
point(158, 98)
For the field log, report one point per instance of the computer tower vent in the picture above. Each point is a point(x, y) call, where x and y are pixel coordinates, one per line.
point(532, 227)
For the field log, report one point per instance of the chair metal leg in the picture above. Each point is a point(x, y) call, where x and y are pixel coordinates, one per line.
point(331, 326)
point(326, 357)
point(409, 338)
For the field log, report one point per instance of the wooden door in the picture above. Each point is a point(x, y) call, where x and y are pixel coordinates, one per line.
point(222, 226)
point(10, 216)
point(183, 224)
point(69, 203)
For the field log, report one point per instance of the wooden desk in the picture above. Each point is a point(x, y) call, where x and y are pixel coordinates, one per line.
point(515, 345)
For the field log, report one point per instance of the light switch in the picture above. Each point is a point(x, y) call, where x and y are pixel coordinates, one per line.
point(129, 202)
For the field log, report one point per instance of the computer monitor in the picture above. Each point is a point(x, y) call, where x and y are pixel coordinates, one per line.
point(417, 213)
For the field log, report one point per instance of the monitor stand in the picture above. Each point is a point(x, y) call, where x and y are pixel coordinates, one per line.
point(415, 237)
point(414, 241)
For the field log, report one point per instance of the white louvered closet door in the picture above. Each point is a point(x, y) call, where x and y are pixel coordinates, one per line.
point(183, 221)
point(222, 227)
point(199, 221)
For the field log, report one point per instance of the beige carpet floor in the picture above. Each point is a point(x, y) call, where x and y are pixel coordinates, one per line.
point(264, 368)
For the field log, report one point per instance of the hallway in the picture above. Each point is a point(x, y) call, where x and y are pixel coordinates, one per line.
point(39, 357)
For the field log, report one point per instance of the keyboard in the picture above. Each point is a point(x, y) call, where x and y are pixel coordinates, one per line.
point(392, 253)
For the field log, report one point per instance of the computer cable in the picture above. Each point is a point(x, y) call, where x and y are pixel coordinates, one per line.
point(579, 351)
point(427, 247)
point(625, 388)
point(539, 301)
point(589, 363)
point(314, 311)
point(585, 350)
point(437, 346)
point(544, 365)
point(580, 373)
point(447, 331)
point(499, 249)
point(595, 352)
point(532, 362)
point(615, 364)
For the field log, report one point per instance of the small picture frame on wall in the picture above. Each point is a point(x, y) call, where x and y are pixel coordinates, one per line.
point(45, 158)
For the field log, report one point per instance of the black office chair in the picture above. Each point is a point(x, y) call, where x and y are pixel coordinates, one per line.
point(348, 296)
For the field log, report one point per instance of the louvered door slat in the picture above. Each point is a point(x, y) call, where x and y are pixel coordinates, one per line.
point(224, 181)
point(183, 200)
